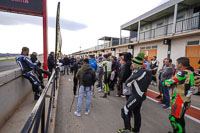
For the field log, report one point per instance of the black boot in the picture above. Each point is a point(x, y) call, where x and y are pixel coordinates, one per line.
point(108, 93)
point(104, 96)
point(36, 96)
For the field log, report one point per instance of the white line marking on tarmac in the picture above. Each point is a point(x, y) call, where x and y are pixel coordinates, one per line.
point(192, 118)
point(152, 99)
point(195, 107)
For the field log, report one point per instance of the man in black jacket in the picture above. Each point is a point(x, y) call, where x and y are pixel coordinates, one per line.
point(76, 67)
point(51, 62)
point(66, 63)
point(126, 70)
point(139, 81)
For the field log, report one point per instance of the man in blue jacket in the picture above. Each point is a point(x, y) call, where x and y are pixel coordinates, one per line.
point(93, 63)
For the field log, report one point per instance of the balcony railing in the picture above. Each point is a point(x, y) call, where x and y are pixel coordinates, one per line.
point(181, 26)
point(160, 31)
point(115, 42)
point(188, 24)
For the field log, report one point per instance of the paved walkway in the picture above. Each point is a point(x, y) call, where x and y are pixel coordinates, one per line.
point(105, 114)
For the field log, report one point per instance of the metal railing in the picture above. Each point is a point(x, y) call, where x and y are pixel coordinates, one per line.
point(156, 32)
point(188, 24)
point(37, 115)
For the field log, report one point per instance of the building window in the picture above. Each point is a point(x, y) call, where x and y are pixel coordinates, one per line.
point(159, 24)
point(142, 48)
point(154, 47)
point(180, 17)
point(148, 47)
point(193, 42)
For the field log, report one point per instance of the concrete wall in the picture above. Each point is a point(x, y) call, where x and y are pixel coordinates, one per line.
point(13, 90)
point(178, 48)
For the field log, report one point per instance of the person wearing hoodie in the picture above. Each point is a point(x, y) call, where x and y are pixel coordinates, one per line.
point(126, 70)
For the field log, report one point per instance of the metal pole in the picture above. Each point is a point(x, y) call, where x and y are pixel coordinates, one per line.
point(45, 44)
point(175, 16)
point(199, 20)
point(120, 37)
point(43, 118)
point(138, 34)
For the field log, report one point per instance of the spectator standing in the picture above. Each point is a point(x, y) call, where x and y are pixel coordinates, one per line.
point(100, 74)
point(139, 81)
point(76, 67)
point(107, 67)
point(67, 64)
point(86, 77)
point(51, 62)
point(113, 73)
point(126, 70)
point(119, 83)
point(159, 77)
point(146, 62)
point(181, 100)
point(166, 75)
point(154, 67)
point(93, 63)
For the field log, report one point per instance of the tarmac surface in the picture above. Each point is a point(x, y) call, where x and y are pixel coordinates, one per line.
point(105, 115)
point(4, 66)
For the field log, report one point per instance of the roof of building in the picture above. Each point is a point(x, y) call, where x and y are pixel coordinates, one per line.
point(158, 12)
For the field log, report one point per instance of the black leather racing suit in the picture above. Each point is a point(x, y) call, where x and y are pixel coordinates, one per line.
point(139, 80)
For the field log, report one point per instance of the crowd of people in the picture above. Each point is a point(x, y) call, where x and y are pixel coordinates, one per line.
point(129, 75)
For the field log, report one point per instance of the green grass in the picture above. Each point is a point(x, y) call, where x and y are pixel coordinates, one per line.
point(7, 60)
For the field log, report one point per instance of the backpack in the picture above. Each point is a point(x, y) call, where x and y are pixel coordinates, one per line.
point(88, 78)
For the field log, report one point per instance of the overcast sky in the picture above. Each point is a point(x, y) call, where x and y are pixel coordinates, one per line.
point(83, 22)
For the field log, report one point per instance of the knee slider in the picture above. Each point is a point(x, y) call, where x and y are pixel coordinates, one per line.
point(175, 125)
point(122, 113)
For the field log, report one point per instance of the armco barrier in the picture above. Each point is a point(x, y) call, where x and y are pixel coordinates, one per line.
point(13, 90)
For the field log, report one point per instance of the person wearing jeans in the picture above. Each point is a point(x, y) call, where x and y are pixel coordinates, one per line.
point(166, 96)
point(166, 74)
point(82, 92)
point(87, 78)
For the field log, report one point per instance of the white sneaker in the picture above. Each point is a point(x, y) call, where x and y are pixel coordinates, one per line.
point(86, 113)
point(100, 90)
point(123, 96)
point(77, 114)
point(76, 95)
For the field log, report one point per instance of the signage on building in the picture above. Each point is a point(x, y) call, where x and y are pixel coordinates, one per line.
point(33, 7)
point(167, 41)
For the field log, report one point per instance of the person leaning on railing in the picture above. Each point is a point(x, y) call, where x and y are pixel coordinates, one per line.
point(29, 71)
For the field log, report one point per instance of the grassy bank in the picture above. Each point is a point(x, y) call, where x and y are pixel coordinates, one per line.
point(7, 60)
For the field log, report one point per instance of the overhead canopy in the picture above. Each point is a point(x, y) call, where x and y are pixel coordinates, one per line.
point(106, 38)
point(158, 12)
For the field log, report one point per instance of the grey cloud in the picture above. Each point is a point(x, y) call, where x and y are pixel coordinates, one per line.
point(18, 19)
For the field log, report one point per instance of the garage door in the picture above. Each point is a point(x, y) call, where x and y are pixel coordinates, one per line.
point(150, 53)
point(193, 53)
